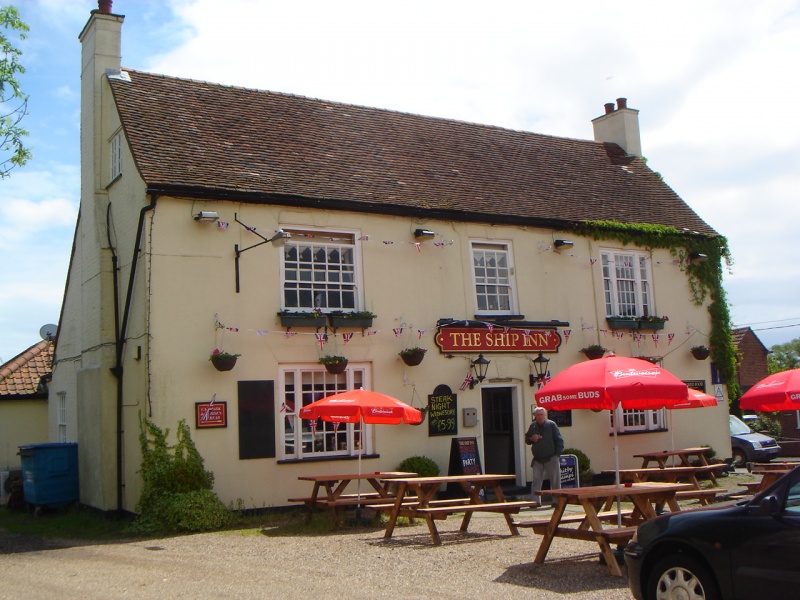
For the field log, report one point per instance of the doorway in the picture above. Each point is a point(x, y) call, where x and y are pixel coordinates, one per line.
point(499, 447)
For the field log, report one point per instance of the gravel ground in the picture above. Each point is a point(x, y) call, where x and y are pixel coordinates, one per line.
point(352, 563)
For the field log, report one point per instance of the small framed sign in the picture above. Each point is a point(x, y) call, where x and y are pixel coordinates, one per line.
point(210, 414)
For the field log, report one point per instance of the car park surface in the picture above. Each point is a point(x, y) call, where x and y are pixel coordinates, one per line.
point(748, 549)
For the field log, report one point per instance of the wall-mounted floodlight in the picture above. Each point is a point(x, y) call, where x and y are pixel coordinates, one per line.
point(279, 239)
point(206, 216)
point(424, 234)
point(563, 244)
point(696, 257)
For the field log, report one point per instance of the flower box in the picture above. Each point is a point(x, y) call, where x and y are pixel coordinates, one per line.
point(355, 320)
point(651, 323)
point(623, 322)
point(315, 320)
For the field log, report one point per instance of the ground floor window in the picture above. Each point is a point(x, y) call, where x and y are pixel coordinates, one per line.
point(631, 421)
point(300, 385)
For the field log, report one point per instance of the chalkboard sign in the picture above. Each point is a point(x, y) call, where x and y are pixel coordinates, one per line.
point(569, 471)
point(464, 457)
point(442, 411)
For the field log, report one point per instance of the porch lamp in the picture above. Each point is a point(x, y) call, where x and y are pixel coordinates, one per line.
point(479, 366)
point(540, 368)
point(696, 257)
point(563, 244)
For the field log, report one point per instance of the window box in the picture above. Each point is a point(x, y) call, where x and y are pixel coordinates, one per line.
point(623, 322)
point(652, 322)
point(355, 320)
point(300, 319)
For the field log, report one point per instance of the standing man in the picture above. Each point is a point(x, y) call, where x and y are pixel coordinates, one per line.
point(546, 445)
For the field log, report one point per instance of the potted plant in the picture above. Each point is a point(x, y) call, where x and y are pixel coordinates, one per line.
point(359, 319)
point(650, 322)
point(412, 356)
point(311, 318)
point(594, 351)
point(700, 352)
point(223, 361)
point(334, 364)
point(619, 322)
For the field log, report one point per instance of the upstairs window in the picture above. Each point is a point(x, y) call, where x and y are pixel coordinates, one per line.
point(320, 271)
point(116, 156)
point(626, 284)
point(493, 274)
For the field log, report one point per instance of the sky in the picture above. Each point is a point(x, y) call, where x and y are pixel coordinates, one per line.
point(716, 84)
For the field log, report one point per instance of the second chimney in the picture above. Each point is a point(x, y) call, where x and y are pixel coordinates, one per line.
point(620, 127)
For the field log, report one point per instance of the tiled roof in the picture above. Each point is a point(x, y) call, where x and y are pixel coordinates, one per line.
point(20, 376)
point(248, 145)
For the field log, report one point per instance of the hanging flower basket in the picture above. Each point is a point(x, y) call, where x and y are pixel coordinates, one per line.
point(594, 351)
point(412, 356)
point(424, 411)
point(335, 365)
point(223, 361)
point(701, 352)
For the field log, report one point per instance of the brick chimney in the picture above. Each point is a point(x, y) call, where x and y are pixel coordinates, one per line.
point(620, 126)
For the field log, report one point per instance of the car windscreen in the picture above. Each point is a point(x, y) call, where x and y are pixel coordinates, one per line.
point(738, 427)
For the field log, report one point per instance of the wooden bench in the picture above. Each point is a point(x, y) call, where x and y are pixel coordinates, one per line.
point(609, 515)
point(704, 495)
point(449, 509)
point(617, 535)
point(752, 486)
point(411, 503)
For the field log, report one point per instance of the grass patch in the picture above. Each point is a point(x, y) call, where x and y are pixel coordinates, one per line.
point(76, 523)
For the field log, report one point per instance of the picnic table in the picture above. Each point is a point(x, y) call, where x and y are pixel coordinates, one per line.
point(597, 502)
point(684, 456)
point(416, 499)
point(674, 475)
point(768, 477)
point(329, 490)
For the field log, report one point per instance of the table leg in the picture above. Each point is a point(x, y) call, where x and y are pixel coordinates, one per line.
point(549, 532)
point(401, 492)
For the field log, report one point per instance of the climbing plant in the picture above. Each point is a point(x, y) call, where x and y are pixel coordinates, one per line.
point(705, 278)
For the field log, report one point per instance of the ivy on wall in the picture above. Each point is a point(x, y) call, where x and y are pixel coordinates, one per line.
point(705, 278)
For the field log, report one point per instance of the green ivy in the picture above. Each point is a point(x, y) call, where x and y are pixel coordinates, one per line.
point(177, 490)
point(705, 278)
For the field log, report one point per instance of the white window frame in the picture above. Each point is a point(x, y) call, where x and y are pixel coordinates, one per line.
point(116, 155)
point(323, 292)
point(62, 416)
point(498, 287)
point(314, 442)
point(639, 421)
point(627, 283)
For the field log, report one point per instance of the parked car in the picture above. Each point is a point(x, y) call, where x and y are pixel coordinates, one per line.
point(750, 549)
point(749, 446)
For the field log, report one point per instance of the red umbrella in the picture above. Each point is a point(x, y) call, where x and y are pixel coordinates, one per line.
point(606, 383)
point(779, 391)
point(363, 406)
point(696, 399)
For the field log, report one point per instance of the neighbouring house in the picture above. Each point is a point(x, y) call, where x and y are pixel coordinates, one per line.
point(221, 218)
point(24, 384)
point(752, 369)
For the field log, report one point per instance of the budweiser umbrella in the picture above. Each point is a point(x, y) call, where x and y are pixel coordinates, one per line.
point(610, 382)
point(362, 406)
point(779, 391)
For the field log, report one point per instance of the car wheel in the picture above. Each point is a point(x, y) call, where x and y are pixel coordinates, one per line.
point(679, 577)
point(739, 459)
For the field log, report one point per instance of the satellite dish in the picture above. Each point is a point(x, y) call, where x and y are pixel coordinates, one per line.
point(48, 332)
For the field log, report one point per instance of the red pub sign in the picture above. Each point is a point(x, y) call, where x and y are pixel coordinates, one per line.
point(211, 414)
point(497, 339)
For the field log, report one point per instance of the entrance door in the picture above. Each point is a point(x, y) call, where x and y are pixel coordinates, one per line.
point(498, 431)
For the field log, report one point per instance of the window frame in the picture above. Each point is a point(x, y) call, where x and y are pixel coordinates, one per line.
point(355, 374)
point(344, 238)
point(115, 164)
point(642, 278)
point(648, 420)
point(62, 416)
point(506, 247)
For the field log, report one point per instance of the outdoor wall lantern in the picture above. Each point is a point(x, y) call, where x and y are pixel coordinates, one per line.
point(540, 368)
point(479, 366)
point(277, 240)
point(206, 216)
point(563, 244)
point(424, 234)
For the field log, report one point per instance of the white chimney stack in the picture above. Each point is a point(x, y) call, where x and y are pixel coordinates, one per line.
point(619, 126)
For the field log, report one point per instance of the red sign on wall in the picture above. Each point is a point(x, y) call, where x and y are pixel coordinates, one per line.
point(211, 414)
point(497, 339)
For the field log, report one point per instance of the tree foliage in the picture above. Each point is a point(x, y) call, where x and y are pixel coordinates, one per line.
point(783, 357)
point(13, 102)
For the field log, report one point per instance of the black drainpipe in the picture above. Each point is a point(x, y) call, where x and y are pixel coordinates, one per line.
point(121, 333)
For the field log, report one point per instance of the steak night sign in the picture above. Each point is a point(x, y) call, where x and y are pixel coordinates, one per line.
point(497, 339)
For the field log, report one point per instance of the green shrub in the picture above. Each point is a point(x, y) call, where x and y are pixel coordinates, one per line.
point(176, 490)
point(421, 465)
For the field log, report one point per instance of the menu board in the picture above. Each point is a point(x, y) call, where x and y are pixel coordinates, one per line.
point(442, 410)
point(464, 457)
